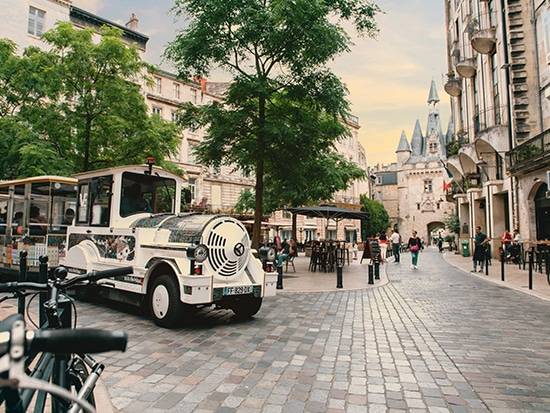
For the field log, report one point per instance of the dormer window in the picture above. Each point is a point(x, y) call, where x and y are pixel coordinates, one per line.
point(432, 147)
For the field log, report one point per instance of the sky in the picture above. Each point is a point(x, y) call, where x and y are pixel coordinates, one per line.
point(388, 77)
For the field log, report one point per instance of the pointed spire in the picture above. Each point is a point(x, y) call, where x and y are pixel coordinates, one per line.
point(416, 141)
point(403, 144)
point(433, 97)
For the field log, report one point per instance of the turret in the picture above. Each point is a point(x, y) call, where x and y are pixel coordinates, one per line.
point(403, 149)
point(417, 141)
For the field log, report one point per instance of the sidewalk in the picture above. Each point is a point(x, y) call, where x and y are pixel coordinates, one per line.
point(355, 277)
point(515, 278)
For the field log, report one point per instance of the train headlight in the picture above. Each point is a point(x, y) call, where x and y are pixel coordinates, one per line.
point(267, 254)
point(198, 253)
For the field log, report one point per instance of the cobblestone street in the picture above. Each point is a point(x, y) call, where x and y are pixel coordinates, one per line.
point(434, 340)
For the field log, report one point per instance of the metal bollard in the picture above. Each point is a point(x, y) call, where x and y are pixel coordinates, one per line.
point(339, 276)
point(531, 270)
point(487, 263)
point(21, 302)
point(22, 266)
point(502, 264)
point(43, 297)
point(279, 278)
point(371, 274)
point(376, 270)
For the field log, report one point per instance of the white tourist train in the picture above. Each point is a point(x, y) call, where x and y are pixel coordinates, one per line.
point(130, 216)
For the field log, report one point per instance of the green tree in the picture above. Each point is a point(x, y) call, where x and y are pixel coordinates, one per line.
point(77, 106)
point(452, 223)
point(379, 220)
point(284, 106)
point(245, 204)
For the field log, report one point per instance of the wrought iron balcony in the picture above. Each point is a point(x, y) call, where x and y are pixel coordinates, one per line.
point(453, 85)
point(530, 155)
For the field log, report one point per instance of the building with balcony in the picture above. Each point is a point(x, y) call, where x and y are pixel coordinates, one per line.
point(214, 189)
point(497, 84)
point(421, 176)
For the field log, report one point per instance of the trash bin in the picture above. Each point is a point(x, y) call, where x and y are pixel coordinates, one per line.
point(465, 248)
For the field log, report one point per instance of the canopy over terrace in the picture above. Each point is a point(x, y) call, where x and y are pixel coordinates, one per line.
point(328, 212)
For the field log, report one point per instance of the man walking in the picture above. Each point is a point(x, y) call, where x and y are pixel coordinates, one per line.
point(396, 244)
point(481, 242)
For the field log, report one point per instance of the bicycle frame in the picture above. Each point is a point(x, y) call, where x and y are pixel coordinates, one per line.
point(54, 368)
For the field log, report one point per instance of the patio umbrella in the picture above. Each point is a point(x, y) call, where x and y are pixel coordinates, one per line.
point(329, 213)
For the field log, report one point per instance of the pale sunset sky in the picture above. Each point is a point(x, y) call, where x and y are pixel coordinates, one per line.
point(388, 77)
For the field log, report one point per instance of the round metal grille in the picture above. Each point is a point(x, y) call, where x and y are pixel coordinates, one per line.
point(228, 247)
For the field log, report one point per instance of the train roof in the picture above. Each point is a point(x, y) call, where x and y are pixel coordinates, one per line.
point(127, 168)
point(40, 179)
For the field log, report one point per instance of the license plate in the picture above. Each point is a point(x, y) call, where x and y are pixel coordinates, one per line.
point(246, 289)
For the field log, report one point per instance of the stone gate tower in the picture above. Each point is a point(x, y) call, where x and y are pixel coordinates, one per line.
point(421, 176)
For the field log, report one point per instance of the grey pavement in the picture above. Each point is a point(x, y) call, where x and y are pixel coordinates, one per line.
point(432, 340)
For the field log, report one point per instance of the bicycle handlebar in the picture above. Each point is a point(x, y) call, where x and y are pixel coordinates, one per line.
point(12, 287)
point(99, 275)
point(81, 340)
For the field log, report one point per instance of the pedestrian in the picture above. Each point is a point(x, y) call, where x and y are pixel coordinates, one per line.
point(383, 241)
point(480, 249)
point(440, 243)
point(396, 244)
point(506, 243)
point(415, 245)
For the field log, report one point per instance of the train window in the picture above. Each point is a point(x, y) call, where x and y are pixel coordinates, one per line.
point(38, 212)
point(146, 193)
point(82, 207)
point(63, 206)
point(101, 200)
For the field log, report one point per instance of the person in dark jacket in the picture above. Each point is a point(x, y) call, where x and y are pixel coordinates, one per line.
point(481, 242)
point(415, 245)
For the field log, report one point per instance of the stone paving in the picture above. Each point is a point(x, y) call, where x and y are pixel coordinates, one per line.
point(432, 340)
point(514, 277)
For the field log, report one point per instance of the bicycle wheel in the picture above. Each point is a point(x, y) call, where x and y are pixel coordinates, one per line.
point(78, 374)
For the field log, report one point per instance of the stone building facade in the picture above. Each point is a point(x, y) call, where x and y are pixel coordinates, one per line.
point(385, 190)
point(421, 176)
point(498, 83)
point(413, 189)
point(25, 21)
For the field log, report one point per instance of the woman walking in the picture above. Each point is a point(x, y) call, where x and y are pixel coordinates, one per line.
point(415, 245)
point(383, 241)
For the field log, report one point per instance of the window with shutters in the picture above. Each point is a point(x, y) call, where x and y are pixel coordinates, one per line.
point(36, 21)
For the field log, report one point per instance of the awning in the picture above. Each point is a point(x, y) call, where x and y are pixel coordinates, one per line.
point(329, 212)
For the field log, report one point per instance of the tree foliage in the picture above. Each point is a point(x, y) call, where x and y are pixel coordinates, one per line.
point(452, 223)
point(379, 220)
point(284, 107)
point(77, 106)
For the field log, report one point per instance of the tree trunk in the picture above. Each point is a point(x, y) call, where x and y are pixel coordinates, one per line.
point(259, 188)
point(87, 139)
point(294, 228)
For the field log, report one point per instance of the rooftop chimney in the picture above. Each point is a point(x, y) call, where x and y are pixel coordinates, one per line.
point(133, 22)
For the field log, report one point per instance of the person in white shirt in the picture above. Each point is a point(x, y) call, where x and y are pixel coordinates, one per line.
point(396, 244)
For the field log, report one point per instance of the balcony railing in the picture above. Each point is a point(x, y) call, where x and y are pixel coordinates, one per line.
point(530, 155)
point(492, 117)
